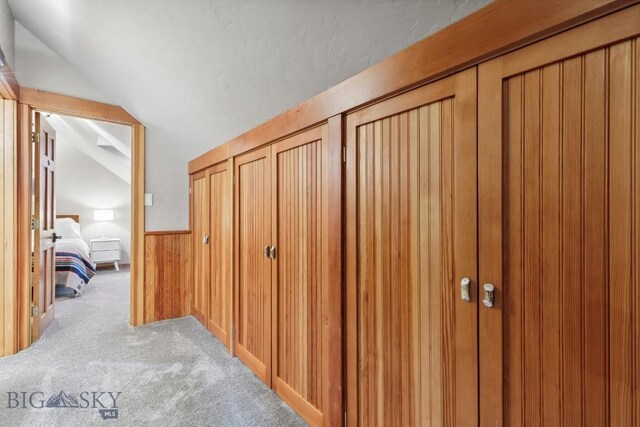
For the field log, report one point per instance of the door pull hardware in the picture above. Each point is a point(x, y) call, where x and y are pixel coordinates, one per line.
point(272, 252)
point(464, 289)
point(55, 237)
point(266, 251)
point(205, 239)
point(489, 291)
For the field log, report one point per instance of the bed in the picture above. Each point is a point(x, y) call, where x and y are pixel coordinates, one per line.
point(74, 268)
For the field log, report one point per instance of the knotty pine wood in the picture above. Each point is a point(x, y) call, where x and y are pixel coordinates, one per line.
point(253, 293)
point(8, 250)
point(167, 275)
point(458, 46)
point(298, 168)
point(411, 238)
point(559, 228)
point(220, 314)
point(201, 262)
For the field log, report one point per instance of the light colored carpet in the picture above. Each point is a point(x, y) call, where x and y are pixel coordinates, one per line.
point(170, 373)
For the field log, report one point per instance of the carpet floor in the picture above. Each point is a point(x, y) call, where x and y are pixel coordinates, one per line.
point(169, 373)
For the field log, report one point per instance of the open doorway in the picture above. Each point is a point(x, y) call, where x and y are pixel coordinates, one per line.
point(28, 310)
point(82, 211)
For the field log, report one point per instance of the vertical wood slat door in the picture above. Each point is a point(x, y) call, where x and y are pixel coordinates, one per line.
point(253, 268)
point(559, 196)
point(411, 238)
point(220, 315)
point(298, 165)
point(200, 240)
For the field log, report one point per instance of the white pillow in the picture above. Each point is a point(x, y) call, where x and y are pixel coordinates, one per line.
point(67, 228)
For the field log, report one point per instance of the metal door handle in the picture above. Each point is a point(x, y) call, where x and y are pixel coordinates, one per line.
point(489, 293)
point(266, 251)
point(55, 237)
point(205, 240)
point(464, 289)
point(272, 252)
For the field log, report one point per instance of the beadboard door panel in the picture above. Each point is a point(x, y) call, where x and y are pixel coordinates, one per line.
point(200, 232)
point(220, 314)
point(560, 228)
point(298, 168)
point(253, 268)
point(411, 239)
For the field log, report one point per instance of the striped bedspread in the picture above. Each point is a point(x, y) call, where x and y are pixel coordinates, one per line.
point(74, 267)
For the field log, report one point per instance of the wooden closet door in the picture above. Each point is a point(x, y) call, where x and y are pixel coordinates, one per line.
point(220, 316)
point(559, 173)
point(411, 239)
point(253, 268)
point(298, 168)
point(200, 230)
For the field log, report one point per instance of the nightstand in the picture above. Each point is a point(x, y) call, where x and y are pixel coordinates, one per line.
point(106, 250)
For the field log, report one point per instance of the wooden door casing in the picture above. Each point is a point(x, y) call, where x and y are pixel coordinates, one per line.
point(44, 234)
point(298, 168)
point(220, 314)
point(411, 238)
point(200, 231)
point(253, 268)
point(560, 228)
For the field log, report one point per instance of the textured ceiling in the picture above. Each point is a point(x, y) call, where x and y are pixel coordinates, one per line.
point(199, 72)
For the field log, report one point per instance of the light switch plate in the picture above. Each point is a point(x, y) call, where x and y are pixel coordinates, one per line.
point(148, 199)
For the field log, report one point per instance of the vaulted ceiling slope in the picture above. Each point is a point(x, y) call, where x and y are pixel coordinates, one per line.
point(199, 72)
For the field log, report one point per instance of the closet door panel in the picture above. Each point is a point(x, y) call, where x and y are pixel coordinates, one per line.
point(558, 229)
point(219, 319)
point(253, 268)
point(411, 239)
point(200, 228)
point(298, 168)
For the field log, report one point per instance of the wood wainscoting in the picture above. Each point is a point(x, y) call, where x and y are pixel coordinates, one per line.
point(167, 274)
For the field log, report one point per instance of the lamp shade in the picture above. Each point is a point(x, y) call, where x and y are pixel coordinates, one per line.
point(103, 215)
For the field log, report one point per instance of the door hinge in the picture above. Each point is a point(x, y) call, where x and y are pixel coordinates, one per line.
point(190, 189)
point(345, 419)
point(35, 223)
point(35, 137)
point(34, 310)
point(344, 154)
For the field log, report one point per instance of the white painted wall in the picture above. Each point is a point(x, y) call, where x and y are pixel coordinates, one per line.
point(200, 72)
point(7, 33)
point(84, 184)
point(39, 67)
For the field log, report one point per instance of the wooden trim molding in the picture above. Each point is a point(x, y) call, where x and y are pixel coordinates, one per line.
point(165, 233)
point(461, 45)
point(137, 225)
point(23, 212)
point(63, 104)
point(9, 87)
point(8, 233)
